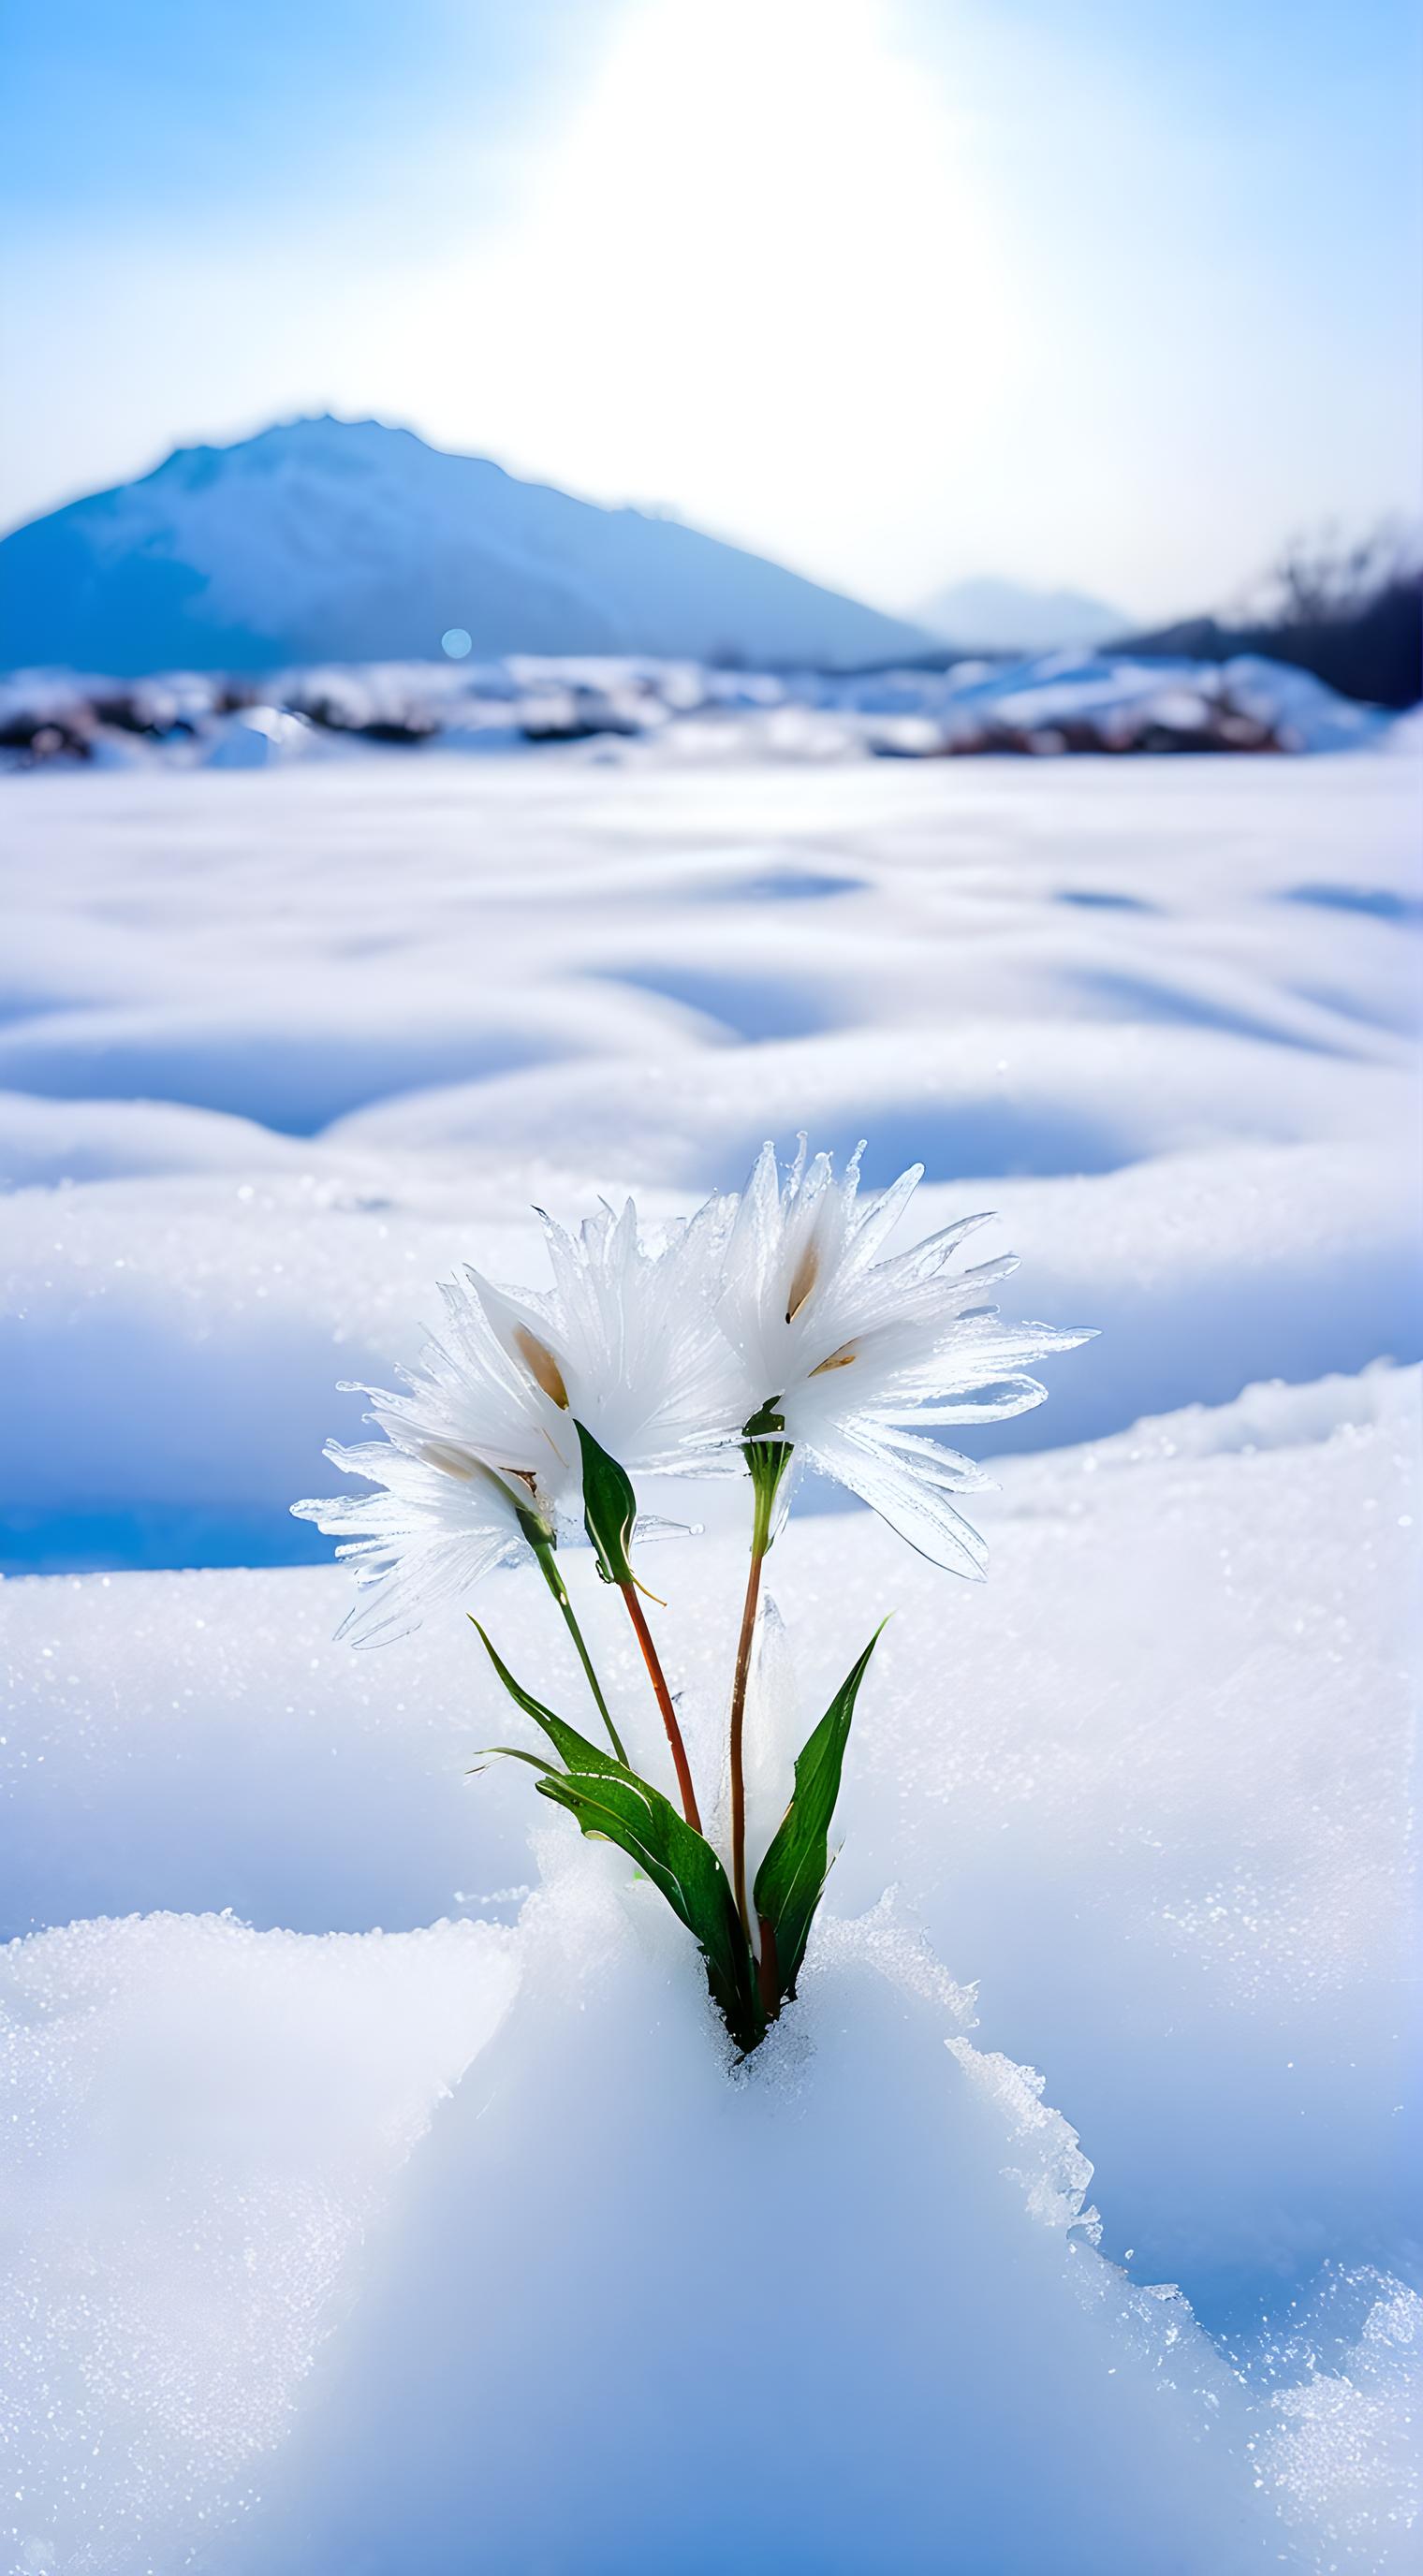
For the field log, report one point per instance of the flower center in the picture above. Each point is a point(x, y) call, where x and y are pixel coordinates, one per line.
point(838, 1359)
point(541, 1365)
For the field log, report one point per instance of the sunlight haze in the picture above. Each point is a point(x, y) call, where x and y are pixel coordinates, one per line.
point(898, 293)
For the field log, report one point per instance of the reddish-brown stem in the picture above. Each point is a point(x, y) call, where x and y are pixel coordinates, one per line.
point(664, 1701)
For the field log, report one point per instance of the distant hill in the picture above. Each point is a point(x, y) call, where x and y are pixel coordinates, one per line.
point(328, 540)
point(1003, 617)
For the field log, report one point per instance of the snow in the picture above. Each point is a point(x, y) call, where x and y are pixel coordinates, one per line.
point(642, 709)
point(379, 2195)
point(211, 2117)
point(987, 2308)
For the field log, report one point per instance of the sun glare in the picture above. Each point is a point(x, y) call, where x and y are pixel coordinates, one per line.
point(755, 268)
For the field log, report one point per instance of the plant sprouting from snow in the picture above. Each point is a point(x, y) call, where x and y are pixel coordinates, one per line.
point(766, 1329)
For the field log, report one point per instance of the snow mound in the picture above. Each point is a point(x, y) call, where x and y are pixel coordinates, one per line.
point(208, 2118)
point(864, 2168)
point(273, 2343)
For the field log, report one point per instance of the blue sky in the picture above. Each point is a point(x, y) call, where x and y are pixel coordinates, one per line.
point(898, 290)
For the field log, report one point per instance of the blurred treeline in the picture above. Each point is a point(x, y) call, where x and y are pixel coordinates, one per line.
point(1349, 611)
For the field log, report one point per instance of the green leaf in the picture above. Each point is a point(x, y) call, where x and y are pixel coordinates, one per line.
point(618, 1807)
point(611, 1803)
point(609, 1508)
point(573, 1749)
point(793, 1873)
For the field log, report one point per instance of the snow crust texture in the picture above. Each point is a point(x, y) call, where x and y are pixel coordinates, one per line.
point(379, 2195)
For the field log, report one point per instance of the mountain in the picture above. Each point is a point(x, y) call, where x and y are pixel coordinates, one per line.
point(330, 540)
point(1002, 617)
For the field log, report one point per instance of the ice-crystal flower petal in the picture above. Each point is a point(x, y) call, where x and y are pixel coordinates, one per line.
point(428, 1531)
point(854, 1351)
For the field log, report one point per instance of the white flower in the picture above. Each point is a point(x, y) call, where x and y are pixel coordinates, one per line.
point(481, 1449)
point(474, 1451)
point(627, 1342)
point(857, 1354)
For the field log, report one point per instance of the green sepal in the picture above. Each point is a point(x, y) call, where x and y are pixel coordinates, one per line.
point(792, 1875)
point(573, 1749)
point(538, 1531)
point(609, 1508)
point(768, 1458)
point(614, 1806)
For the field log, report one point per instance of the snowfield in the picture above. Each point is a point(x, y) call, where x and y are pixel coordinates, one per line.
point(379, 2195)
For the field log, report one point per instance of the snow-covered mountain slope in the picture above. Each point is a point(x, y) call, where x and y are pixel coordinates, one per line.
point(991, 616)
point(348, 540)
